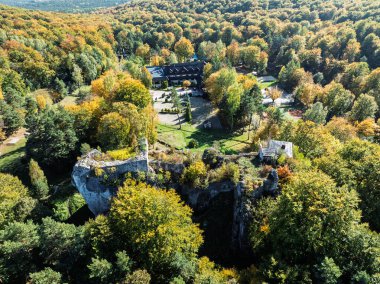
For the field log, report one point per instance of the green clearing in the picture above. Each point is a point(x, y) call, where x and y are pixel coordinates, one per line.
point(12, 159)
point(180, 138)
point(264, 85)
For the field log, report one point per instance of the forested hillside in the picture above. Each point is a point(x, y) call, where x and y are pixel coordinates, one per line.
point(76, 6)
point(214, 206)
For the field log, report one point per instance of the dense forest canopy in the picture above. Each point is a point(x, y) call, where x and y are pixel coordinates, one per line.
point(321, 224)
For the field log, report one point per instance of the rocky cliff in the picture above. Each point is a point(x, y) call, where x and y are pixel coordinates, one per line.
point(97, 180)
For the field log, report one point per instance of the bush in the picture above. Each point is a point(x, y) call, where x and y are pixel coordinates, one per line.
point(193, 144)
point(195, 174)
point(85, 148)
point(122, 154)
point(228, 171)
point(211, 157)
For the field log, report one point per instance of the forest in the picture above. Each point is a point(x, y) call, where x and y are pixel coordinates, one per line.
point(321, 223)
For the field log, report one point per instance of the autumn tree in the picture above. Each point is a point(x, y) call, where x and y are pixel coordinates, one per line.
point(133, 91)
point(218, 83)
point(329, 214)
point(233, 53)
point(341, 129)
point(144, 52)
point(113, 131)
point(146, 78)
point(186, 84)
point(274, 93)
point(163, 239)
point(13, 195)
point(184, 49)
point(307, 93)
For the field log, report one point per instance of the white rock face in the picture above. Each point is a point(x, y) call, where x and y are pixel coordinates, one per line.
point(95, 189)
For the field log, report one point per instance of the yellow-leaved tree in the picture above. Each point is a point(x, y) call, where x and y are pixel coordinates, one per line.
point(184, 49)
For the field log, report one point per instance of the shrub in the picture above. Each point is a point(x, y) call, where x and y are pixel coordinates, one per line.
point(186, 84)
point(281, 159)
point(85, 148)
point(265, 171)
point(122, 154)
point(228, 171)
point(193, 144)
point(211, 157)
point(284, 174)
point(195, 174)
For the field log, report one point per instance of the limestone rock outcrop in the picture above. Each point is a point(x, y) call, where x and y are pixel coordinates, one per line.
point(97, 180)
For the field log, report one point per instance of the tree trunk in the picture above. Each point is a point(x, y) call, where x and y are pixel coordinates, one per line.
point(249, 126)
point(179, 120)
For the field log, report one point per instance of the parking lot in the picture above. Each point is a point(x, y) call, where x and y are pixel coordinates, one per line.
point(202, 110)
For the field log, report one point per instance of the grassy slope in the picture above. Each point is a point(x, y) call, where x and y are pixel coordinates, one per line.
point(179, 138)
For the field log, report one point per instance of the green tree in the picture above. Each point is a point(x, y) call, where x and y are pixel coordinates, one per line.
point(354, 76)
point(337, 99)
point(46, 276)
point(327, 271)
point(177, 105)
point(188, 114)
point(123, 264)
point(38, 180)
point(77, 76)
point(316, 113)
point(100, 270)
point(232, 102)
point(60, 87)
point(12, 118)
point(364, 107)
point(19, 243)
point(62, 245)
point(52, 136)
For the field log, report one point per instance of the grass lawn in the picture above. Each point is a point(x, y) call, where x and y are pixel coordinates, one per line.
point(179, 138)
point(264, 85)
point(11, 159)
